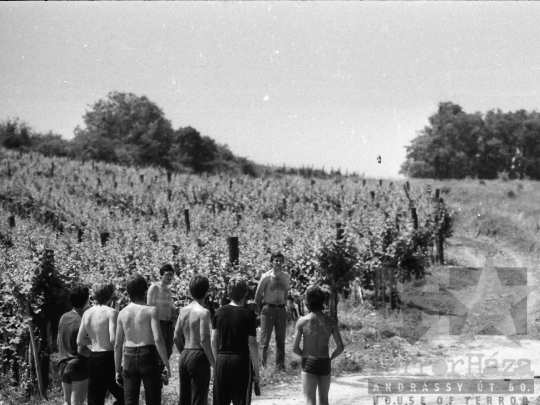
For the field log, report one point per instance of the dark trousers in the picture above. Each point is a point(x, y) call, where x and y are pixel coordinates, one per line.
point(101, 377)
point(270, 317)
point(167, 331)
point(194, 371)
point(233, 379)
point(141, 364)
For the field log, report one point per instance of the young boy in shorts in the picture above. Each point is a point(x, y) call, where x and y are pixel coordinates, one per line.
point(98, 328)
point(316, 329)
point(73, 360)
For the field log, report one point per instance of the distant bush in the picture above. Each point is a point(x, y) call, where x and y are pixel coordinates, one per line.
point(503, 176)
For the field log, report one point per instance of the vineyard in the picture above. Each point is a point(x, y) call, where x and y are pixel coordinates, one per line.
point(65, 221)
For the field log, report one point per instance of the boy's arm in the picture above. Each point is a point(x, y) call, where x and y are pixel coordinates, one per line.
point(340, 347)
point(82, 336)
point(152, 295)
point(215, 338)
point(254, 352)
point(297, 338)
point(118, 349)
point(205, 338)
point(260, 292)
point(287, 288)
point(179, 336)
point(158, 339)
point(112, 326)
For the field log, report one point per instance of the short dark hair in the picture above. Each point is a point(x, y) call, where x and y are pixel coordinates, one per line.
point(238, 288)
point(198, 286)
point(79, 295)
point(102, 292)
point(165, 269)
point(136, 287)
point(274, 256)
point(315, 298)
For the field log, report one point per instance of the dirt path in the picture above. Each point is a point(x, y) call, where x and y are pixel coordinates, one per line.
point(462, 352)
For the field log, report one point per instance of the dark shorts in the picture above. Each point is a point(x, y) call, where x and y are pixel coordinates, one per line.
point(321, 367)
point(73, 370)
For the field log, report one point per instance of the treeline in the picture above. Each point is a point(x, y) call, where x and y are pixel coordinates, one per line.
point(130, 130)
point(457, 144)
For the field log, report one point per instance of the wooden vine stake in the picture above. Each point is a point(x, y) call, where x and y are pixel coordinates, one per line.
point(42, 393)
point(440, 236)
point(234, 253)
point(186, 217)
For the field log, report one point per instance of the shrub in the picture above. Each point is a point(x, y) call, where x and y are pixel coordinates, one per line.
point(503, 176)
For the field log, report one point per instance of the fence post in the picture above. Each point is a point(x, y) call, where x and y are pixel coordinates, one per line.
point(414, 217)
point(186, 217)
point(11, 221)
point(42, 392)
point(234, 253)
point(440, 234)
point(169, 177)
point(104, 238)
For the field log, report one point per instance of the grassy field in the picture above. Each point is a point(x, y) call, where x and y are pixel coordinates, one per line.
point(488, 213)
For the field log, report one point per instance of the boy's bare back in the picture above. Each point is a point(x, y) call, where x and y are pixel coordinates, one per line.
point(195, 322)
point(137, 324)
point(100, 324)
point(316, 332)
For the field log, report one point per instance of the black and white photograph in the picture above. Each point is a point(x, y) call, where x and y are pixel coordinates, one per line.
point(270, 202)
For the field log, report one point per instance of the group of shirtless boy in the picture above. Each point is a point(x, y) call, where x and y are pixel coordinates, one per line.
point(101, 349)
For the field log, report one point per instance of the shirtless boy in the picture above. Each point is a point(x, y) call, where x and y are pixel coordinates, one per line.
point(273, 288)
point(160, 296)
point(138, 335)
point(316, 329)
point(98, 328)
point(192, 339)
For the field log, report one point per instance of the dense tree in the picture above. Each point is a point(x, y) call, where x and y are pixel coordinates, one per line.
point(193, 150)
point(131, 130)
point(448, 147)
point(15, 134)
point(126, 128)
point(457, 144)
point(51, 145)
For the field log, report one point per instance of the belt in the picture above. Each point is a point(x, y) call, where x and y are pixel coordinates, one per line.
point(277, 306)
point(139, 349)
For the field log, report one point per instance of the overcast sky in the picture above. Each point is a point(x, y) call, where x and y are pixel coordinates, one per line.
point(300, 83)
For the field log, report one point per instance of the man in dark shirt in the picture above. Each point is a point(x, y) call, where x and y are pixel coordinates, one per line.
point(234, 339)
point(73, 361)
